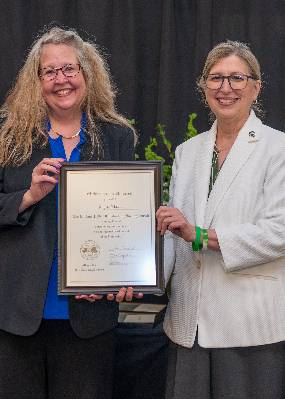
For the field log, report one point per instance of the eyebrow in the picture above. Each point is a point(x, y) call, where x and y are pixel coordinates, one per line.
point(232, 73)
point(52, 66)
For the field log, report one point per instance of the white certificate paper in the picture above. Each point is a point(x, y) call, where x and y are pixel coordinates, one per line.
point(110, 231)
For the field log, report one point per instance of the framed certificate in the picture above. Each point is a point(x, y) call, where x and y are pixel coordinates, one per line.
point(107, 227)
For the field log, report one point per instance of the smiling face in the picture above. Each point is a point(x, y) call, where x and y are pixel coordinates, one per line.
point(62, 94)
point(227, 104)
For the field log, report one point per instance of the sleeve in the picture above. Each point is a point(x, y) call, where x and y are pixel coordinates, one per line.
point(9, 206)
point(246, 245)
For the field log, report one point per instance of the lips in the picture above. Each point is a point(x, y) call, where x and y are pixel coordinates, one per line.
point(227, 100)
point(63, 92)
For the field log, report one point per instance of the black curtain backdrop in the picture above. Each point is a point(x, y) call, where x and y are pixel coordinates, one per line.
point(156, 50)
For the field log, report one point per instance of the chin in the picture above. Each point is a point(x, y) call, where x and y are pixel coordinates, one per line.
point(65, 107)
point(225, 114)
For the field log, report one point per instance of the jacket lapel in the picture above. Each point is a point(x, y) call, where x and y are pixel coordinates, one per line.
point(237, 157)
point(202, 173)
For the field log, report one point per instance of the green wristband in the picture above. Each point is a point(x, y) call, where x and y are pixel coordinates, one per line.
point(196, 245)
point(205, 238)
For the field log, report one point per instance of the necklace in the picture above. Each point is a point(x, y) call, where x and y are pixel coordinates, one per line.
point(64, 137)
point(83, 124)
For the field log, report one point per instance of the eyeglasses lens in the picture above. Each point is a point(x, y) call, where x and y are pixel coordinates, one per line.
point(69, 71)
point(236, 82)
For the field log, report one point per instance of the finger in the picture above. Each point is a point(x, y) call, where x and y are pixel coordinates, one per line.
point(110, 297)
point(158, 226)
point(96, 297)
point(129, 294)
point(138, 295)
point(161, 213)
point(46, 168)
point(160, 220)
point(164, 217)
point(55, 162)
point(52, 161)
point(89, 298)
point(175, 225)
point(44, 179)
point(84, 297)
point(121, 294)
point(165, 224)
point(160, 210)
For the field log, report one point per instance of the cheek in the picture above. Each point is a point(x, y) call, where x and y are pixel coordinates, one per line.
point(80, 83)
point(83, 84)
point(210, 98)
point(82, 89)
point(46, 89)
point(248, 100)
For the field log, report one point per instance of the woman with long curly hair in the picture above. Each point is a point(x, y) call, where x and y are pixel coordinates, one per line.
point(61, 108)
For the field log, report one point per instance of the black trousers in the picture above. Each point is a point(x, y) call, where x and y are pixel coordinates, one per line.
point(232, 373)
point(55, 364)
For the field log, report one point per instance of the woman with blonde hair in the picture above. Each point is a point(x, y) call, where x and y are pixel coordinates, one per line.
point(61, 108)
point(225, 244)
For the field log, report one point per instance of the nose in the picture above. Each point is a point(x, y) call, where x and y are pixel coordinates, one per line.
point(60, 77)
point(226, 85)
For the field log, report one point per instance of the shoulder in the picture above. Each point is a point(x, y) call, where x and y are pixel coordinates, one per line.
point(274, 140)
point(274, 134)
point(118, 141)
point(114, 130)
point(191, 145)
point(262, 133)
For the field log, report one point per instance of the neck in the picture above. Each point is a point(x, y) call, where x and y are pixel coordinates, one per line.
point(66, 124)
point(228, 130)
point(65, 117)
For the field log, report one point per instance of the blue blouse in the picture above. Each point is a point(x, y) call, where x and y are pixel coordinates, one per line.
point(56, 306)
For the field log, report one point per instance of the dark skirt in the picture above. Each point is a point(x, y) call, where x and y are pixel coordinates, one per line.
point(228, 373)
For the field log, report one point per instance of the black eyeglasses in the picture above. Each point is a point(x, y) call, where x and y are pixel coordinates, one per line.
point(237, 81)
point(68, 70)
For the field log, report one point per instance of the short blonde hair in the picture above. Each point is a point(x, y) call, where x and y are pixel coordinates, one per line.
point(225, 49)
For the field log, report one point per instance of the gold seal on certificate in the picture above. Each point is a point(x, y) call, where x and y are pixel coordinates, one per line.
point(89, 250)
point(107, 227)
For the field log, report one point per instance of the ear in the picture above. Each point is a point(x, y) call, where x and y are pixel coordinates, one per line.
point(257, 88)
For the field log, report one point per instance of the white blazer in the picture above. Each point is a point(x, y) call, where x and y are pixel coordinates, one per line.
point(236, 296)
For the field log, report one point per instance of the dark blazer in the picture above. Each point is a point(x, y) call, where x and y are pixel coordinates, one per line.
point(27, 243)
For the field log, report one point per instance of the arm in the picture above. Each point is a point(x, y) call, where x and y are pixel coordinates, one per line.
point(172, 219)
point(16, 207)
point(44, 179)
point(9, 205)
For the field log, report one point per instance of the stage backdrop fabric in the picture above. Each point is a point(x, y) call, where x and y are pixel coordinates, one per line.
point(156, 50)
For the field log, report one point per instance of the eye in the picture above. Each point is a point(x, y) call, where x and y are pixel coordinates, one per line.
point(237, 78)
point(215, 78)
point(69, 68)
point(49, 72)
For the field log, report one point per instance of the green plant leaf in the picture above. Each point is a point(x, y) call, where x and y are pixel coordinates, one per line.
point(151, 151)
point(191, 130)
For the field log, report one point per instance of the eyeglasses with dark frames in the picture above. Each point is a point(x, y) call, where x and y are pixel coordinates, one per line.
point(68, 70)
point(237, 81)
